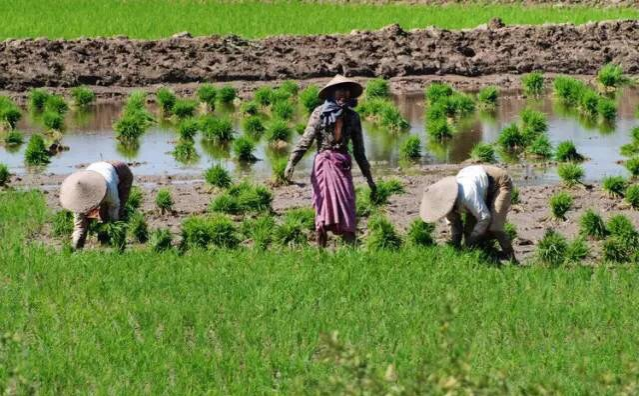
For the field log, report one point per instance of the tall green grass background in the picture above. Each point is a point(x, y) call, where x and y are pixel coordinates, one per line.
point(148, 19)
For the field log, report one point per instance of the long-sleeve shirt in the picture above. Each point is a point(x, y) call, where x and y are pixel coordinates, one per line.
point(325, 137)
point(471, 198)
point(112, 198)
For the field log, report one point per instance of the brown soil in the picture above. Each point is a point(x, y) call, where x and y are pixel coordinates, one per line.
point(531, 216)
point(389, 52)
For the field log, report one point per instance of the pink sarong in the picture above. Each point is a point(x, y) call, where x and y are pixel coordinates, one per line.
point(333, 192)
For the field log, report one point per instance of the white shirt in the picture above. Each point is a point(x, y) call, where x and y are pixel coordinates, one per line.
point(112, 197)
point(471, 197)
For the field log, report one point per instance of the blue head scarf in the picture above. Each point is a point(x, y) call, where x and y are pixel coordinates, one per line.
point(331, 110)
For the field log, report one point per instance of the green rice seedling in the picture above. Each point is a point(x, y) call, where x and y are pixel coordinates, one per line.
point(283, 109)
point(391, 118)
point(439, 129)
point(52, 120)
point(217, 176)
point(251, 108)
point(164, 200)
point(411, 148)
point(515, 196)
point(138, 227)
point(10, 113)
point(372, 108)
point(611, 76)
point(534, 121)
point(253, 126)
point(166, 98)
point(185, 152)
point(560, 204)
point(577, 251)
point(305, 216)
point(568, 89)
point(570, 174)
point(382, 235)
point(278, 169)
point(300, 128)
point(259, 231)
point(243, 148)
point(113, 234)
point(225, 203)
point(377, 88)
point(278, 131)
point(187, 128)
point(437, 91)
point(487, 97)
point(309, 98)
point(263, 96)
point(386, 189)
point(129, 128)
point(511, 231)
point(589, 103)
point(533, 83)
point(290, 233)
point(614, 186)
point(592, 225)
point(281, 95)
point(435, 112)
point(552, 248)
point(420, 233)
point(184, 108)
point(632, 164)
point(511, 138)
point(607, 109)
point(207, 94)
point(56, 103)
point(616, 250)
point(161, 240)
point(632, 196)
point(134, 202)
point(620, 226)
point(540, 147)
point(243, 198)
point(82, 96)
point(62, 224)
point(460, 104)
point(483, 152)
point(4, 175)
point(363, 205)
point(13, 138)
point(217, 129)
point(567, 152)
point(135, 101)
point(227, 94)
point(37, 99)
point(629, 150)
point(36, 153)
point(218, 231)
point(289, 86)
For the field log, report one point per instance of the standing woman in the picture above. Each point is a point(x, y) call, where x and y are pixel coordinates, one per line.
point(333, 125)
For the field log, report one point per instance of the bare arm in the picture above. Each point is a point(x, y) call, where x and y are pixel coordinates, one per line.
point(359, 152)
point(304, 143)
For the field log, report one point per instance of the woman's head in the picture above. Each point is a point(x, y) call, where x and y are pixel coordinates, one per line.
point(341, 94)
point(341, 88)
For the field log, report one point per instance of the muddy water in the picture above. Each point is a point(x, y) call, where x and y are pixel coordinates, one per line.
point(90, 138)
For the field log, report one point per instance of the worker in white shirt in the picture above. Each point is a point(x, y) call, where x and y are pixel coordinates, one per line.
point(483, 193)
point(98, 192)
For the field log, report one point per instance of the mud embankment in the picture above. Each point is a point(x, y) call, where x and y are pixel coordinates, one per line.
point(389, 52)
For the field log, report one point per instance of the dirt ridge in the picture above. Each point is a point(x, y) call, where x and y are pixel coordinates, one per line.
point(389, 52)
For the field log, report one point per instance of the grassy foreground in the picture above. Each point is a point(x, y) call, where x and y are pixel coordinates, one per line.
point(147, 19)
point(252, 323)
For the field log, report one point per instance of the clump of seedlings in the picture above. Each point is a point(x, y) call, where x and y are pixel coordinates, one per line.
point(278, 169)
point(243, 148)
point(386, 189)
point(607, 108)
point(82, 96)
point(62, 224)
point(577, 251)
point(571, 174)
point(113, 234)
point(632, 196)
point(138, 227)
point(134, 202)
point(166, 98)
point(217, 176)
point(632, 148)
point(216, 129)
point(567, 152)
point(439, 129)
point(533, 122)
point(227, 94)
point(487, 97)
point(10, 113)
point(533, 83)
point(568, 89)
point(309, 98)
point(53, 121)
point(4, 175)
point(483, 152)
point(187, 128)
point(135, 119)
point(514, 196)
point(36, 153)
point(411, 149)
point(614, 186)
point(184, 108)
point(217, 231)
point(382, 235)
point(13, 138)
point(207, 94)
point(290, 87)
point(391, 118)
point(291, 232)
point(616, 250)
point(37, 98)
point(377, 88)
point(283, 109)
point(632, 164)
point(242, 198)
point(263, 96)
point(511, 139)
point(552, 248)
point(592, 225)
point(305, 216)
point(251, 108)
point(161, 240)
point(185, 151)
point(560, 204)
point(611, 76)
point(540, 148)
point(620, 226)
point(278, 131)
point(56, 103)
point(164, 200)
point(259, 231)
point(253, 126)
point(437, 91)
point(420, 233)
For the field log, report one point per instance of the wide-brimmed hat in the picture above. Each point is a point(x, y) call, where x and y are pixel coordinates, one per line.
point(438, 199)
point(82, 191)
point(355, 87)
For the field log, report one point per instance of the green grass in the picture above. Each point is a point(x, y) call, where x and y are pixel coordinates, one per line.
point(162, 18)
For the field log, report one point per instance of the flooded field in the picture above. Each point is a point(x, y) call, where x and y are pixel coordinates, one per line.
point(90, 137)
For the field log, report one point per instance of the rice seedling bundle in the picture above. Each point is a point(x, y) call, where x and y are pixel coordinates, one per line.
point(164, 200)
point(53, 120)
point(571, 174)
point(166, 98)
point(278, 169)
point(207, 94)
point(487, 97)
point(309, 98)
point(184, 108)
point(37, 98)
point(439, 129)
point(13, 138)
point(632, 164)
point(5, 175)
point(263, 96)
point(552, 248)
point(632, 196)
point(217, 231)
point(377, 88)
point(185, 151)
point(437, 91)
point(420, 233)
point(278, 131)
point(283, 109)
point(218, 176)
point(567, 152)
point(10, 113)
point(253, 126)
point(483, 152)
point(560, 204)
point(161, 240)
point(227, 94)
point(56, 103)
point(511, 138)
point(82, 96)
point(243, 148)
point(138, 227)
point(614, 186)
point(382, 235)
point(259, 231)
point(592, 225)
point(217, 129)
point(36, 153)
point(187, 128)
point(411, 148)
point(533, 83)
point(611, 75)
point(540, 147)
point(62, 224)
point(250, 108)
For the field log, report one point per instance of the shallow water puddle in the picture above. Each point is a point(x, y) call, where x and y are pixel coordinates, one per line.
point(90, 138)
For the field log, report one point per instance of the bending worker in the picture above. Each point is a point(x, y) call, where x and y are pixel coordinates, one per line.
point(99, 192)
point(483, 193)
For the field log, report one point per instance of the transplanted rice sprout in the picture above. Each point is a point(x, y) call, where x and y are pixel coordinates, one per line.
point(632, 196)
point(552, 248)
point(253, 126)
point(483, 152)
point(540, 147)
point(386, 189)
point(138, 227)
point(207, 93)
point(560, 204)
point(411, 148)
point(259, 231)
point(4, 175)
point(53, 121)
point(309, 98)
point(533, 83)
point(185, 151)
point(164, 200)
point(161, 240)
point(382, 235)
point(62, 225)
point(227, 94)
point(166, 98)
point(372, 108)
point(56, 103)
point(263, 95)
point(38, 98)
point(251, 108)
point(243, 198)
point(377, 88)
point(511, 138)
point(589, 103)
point(611, 75)
point(36, 153)
point(566, 152)
point(10, 113)
point(459, 105)
point(632, 164)
point(420, 233)
point(290, 87)
point(391, 118)
point(136, 196)
point(187, 128)
point(534, 121)
point(13, 138)
point(217, 129)
point(437, 91)
point(621, 226)
point(278, 131)
point(614, 186)
point(305, 216)
point(83, 96)
point(217, 231)
point(568, 89)
point(439, 129)
point(577, 251)
point(113, 234)
point(218, 176)
point(184, 108)
point(515, 196)
point(290, 233)
point(278, 168)
point(592, 225)
point(243, 148)
point(487, 97)
point(283, 109)
point(571, 174)
point(616, 250)
point(129, 128)
point(607, 108)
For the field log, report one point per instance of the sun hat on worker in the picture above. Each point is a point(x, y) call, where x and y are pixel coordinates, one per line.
point(355, 87)
point(438, 199)
point(82, 191)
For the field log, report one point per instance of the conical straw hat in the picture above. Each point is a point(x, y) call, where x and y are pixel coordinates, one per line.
point(355, 87)
point(438, 199)
point(82, 191)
